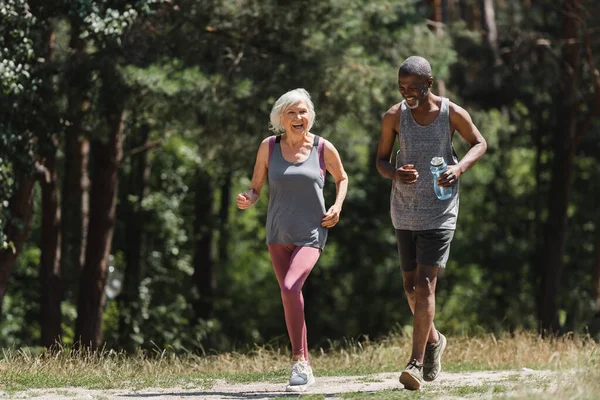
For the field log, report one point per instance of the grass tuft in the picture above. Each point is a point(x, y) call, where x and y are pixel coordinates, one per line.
point(24, 369)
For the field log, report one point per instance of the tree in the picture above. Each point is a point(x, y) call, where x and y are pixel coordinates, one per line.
point(106, 159)
point(19, 113)
point(106, 26)
point(50, 240)
point(77, 85)
point(576, 62)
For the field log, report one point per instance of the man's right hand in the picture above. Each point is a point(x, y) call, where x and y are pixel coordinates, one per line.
point(407, 174)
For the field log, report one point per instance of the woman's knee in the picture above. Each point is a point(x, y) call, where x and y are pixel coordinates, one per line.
point(290, 289)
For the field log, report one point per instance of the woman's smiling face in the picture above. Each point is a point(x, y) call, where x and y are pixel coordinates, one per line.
point(295, 118)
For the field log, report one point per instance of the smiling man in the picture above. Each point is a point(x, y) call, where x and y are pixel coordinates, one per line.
point(424, 124)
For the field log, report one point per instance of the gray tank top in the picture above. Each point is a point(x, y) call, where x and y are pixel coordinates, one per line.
point(296, 203)
point(415, 206)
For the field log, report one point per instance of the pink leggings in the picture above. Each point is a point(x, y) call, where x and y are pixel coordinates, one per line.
point(292, 264)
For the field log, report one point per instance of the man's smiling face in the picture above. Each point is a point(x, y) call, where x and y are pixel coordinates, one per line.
point(414, 89)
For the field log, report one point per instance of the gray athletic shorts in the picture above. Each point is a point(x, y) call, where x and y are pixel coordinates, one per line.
point(431, 247)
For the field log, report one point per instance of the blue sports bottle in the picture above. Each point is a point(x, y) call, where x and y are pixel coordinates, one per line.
point(438, 167)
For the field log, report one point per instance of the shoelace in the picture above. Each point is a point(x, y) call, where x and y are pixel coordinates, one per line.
point(415, 363)
point(299, 368)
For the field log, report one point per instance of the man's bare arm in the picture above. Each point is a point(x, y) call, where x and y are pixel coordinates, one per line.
point(460, 120)
point(406, 173)
point(386, 143)
point(463, 123)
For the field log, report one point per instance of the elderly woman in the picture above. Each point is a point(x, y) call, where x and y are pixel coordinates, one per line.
point(297, 220)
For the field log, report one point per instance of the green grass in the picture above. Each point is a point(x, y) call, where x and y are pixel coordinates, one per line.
point(369, 380)
point(569, 384)
point(518, 387)
point(581, 384)
point(22, 369)
point(393, 394)
point(429, 393)
point(486, 388)
point(300, 397)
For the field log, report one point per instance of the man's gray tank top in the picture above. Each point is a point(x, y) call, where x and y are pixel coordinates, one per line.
point(415, 206)
point(296, 203)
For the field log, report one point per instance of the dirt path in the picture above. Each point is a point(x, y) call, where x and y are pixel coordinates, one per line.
point(331, 387)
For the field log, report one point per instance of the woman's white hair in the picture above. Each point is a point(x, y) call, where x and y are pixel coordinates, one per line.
point(284, 102)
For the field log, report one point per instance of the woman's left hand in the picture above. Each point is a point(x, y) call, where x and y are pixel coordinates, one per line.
point(331, 217)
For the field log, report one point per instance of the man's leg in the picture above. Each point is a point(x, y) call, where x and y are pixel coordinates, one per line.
point(408, 278)
point(407, 251)
point(412, 275)
point(424, 309)
point(433, 249)
point(424, 280)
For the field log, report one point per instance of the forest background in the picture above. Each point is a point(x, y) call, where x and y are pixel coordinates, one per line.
point(128, 127)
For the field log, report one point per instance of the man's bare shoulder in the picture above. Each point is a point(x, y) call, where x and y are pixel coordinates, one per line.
point(394, 110)
point(456, 109)
point(458, 115)
point(392, 114)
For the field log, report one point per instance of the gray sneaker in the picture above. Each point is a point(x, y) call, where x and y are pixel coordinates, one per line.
point(412, 376)
point(301, 377)
point(432, 363)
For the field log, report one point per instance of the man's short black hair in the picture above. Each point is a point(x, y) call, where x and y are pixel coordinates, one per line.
point(415, 65)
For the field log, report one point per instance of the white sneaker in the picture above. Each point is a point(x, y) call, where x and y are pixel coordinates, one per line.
point(301, 377)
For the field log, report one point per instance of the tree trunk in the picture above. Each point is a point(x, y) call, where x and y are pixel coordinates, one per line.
point(445, 11)
point(539, 203)
point(437, 16)
point(596, 278)
point(75, 190)
point(204, 263)
point(129, 300)
point(489, 17)
point(75, 207)
point(560, 184)
point(224, 234)
point(106, 162)
point(17, 227)
point(50, 241)
point(50, 281)
point(594, 325)
point(469, 13)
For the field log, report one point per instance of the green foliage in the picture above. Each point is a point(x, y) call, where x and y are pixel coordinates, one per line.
point(106, 21)
point(18, 55)
point(17, 49)
point(21, 305)
point(203, 77)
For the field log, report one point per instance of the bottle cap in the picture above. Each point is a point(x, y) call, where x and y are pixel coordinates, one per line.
point(437, 161)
